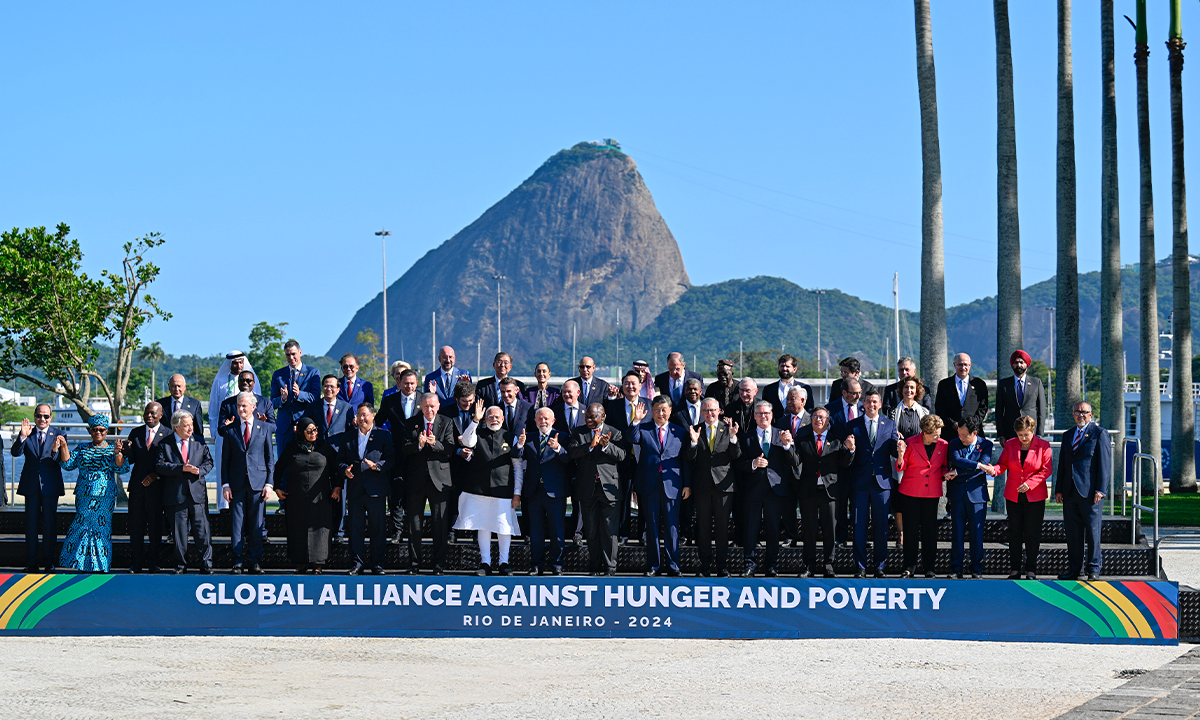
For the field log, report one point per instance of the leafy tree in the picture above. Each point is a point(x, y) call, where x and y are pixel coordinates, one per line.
point(1039, 370)
point(266, 348)
point(370, 363)
point(203, 377)
point(12, 412)
point(52, 315)
point(139, 382)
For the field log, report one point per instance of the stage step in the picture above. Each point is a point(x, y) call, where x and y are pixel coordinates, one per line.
point(1113, 529)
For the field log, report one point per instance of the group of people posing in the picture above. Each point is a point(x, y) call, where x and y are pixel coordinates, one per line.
point(725, 459)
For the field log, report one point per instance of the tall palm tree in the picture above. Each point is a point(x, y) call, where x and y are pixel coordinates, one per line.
point(1112, 351)
point(1150, 421)
point(1183, 431)
point(1066, 380)
point(1010, 333)
point(153, 354)
point(933, 262)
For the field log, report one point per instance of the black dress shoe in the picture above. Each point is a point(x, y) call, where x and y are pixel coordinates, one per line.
point(154, 569)
point(596, 573)
point(651, 573)
point(439, 570)
point(356, 570)
point(49, 569)
point(256, 569)
point(135, 570)
point(976, 576)
point(829, 573)
point(397, 539)
point(929, 575)
point(859, 575)
point(611, 573)
point(505, 569)
point(879, 575)
point(1069, 576)
point(206, 570)
point(31, 569)
point(555, 571)
point(673, 573)
point(770, 572)
point(749, 572)
point(235, 570)
point(1093, 577)
point(1014, 575)
point(906, 575)
point(723, 573)
point(378, 570)
point(180, 571)
point(414, 569)
point(1030, 576)
point(955, 576)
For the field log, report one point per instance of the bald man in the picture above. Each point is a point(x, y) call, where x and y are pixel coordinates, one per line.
point(180, 400)
point(960, 396)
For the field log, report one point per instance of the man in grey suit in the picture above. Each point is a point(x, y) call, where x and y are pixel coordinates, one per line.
point(596, 449)
point(247, 472)
point(1021, 394)
point(183, 461)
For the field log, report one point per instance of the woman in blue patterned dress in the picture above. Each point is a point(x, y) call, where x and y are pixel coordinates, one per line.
point(88, 545)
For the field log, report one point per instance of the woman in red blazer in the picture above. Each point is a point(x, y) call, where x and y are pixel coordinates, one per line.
point(924, 465)
point(1027, 459)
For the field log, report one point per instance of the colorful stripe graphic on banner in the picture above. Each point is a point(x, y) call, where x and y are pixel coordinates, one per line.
point(1111, 608)
point(32, 597)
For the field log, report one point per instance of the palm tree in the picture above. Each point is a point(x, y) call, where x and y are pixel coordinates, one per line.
point(1151, 416)
point(1066, 380)
point(152, 353)
point(1183, 431)
point(1112, 351)
point(933, 262)
point(1010, 333)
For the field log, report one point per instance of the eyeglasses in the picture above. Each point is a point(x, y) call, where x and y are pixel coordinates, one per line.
point(41, 416)
point(1083, 412)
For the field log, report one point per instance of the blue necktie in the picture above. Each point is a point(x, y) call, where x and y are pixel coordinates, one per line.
point(1020, 392)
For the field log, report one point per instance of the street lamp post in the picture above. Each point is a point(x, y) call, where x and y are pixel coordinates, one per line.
point(498, 278)
point(1053, 360)
point(383, 236)
point(818, 293)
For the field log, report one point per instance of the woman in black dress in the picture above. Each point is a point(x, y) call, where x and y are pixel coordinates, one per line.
point(309, 483)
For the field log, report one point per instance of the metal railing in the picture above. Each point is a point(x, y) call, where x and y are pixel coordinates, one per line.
point(1138, 507)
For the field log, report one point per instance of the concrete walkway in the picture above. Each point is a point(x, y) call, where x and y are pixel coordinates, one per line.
point(1172, 691)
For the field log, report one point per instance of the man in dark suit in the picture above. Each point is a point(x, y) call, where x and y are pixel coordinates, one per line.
point(442, 380)
point(625, 413)
point(960, 396)
point(461, 414)
point(516, 408)
point(354, 390)
point(366, 459)
point(247, 472)
point(850, 368)
point(776, 393)
point(596, 450)
point(1081, 483)
point(179, 400)
point(591, 389)
point(331, 413)
point(568, 415)
point(724, 390)
point(794, 418)
point(294, 387)
point(246, 383)
point(842, 411)
point(822, 461)
point(1020, 394)
point(670, 383)
point(41, 484)
point(712, 450)
point(661, 482)
point(770, 466)
point(183, 461)
point(428, 443)
point(542, 491)
point(906, 367)
point(394, 413)
point(145, 491)
point(741, 411)
point(967, 495)
point(488, 389)
point(687, 413)
point(873, 442)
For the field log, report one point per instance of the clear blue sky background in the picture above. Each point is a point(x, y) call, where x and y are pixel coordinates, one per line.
point(268, 142)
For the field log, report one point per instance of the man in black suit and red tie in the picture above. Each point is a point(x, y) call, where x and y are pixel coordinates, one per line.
point(145, 490)
point(596, 450)
point(960, 396)
point(822, 459)
point(712, 451)
point(354, 390)
point(670, 383)
point(183, 461)
point(428, 441)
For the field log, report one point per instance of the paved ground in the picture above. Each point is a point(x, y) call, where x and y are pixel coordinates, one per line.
point(331, 678)
point(1172, 691)
point(1180, 555)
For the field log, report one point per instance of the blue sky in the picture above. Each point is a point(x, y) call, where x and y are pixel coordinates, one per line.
point(268, 141)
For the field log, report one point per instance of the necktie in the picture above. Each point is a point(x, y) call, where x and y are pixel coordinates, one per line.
point(183, 451)
point(545, 438)
point(1078, 439)
point(694, 418)
point(428, 428)
point(871, 432)
point(462, 420)
point(631, 407)
point(407, 408)
point(570, 417)
point(675, 391)
point(795, 424)
point(850, 414)
point(328, 415)
point(41, 441)
point(586, 390)
point(766, 442)
point(149, 437)
point(246, 435)
point(508, 416)
point(174, 406)
point(962, 392)
point(1020, 392)
point(712, 438)
point(446, 383)
point(349, 390)
point(662, 439)
point(820, 443)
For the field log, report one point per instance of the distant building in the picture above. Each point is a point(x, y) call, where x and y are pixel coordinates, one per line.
point(17, 398)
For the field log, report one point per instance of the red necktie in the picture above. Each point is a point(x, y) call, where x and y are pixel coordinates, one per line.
point(183, 452)
point(149, 437)
point(820, 443)
point(662, 437)
point(851, 413)
point(795, 425)
point(428, 428)
point(246, 435)
point(328, 415)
